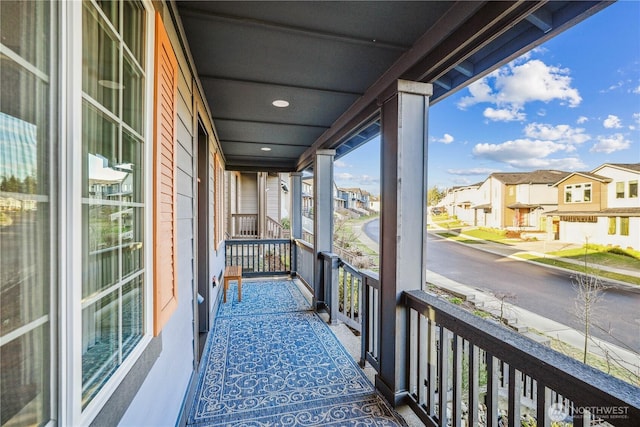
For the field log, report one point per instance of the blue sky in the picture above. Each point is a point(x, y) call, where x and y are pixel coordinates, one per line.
point(571, 104)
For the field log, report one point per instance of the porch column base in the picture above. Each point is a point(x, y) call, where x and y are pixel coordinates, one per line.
point(395, 398)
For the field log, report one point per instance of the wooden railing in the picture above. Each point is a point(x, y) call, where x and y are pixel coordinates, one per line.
point(244, 226)
point(260, 257)
point(465, 370)
point(274, 229)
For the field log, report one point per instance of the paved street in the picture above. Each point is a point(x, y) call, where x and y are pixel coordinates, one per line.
point(544, 291)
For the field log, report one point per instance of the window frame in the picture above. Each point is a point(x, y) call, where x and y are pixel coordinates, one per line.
point(613, 227)
point(70, 185)
point(624, 225)
point(620, 190)
point(576, 192)
point(633, 189)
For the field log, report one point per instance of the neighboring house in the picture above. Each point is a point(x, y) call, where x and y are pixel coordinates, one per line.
point(256, 204)
point(307, 197)
point(517, 200)
point(374, 203)
point(601, 206)
point(460, 201)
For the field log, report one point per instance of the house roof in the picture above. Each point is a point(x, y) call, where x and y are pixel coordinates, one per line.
point(334, 60)
point(587, 175)
point(535, 177)
point(632, 167)
point(522, 206)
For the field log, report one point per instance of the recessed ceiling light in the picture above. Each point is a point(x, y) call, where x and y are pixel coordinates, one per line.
point(265, 149)
point(280, 103)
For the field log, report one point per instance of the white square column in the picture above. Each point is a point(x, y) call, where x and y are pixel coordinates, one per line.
point(323, 218)
point(403, 226)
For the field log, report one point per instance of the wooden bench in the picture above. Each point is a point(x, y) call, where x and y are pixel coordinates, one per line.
point(233, 272)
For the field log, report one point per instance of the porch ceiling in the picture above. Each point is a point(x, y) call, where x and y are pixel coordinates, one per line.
point(332, 60)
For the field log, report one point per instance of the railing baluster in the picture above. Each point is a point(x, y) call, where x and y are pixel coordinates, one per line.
point(443, 376)
point(515, 395)
point(543, 402)
point(456, 412)
point(491, 397)
point(432, 366)
point(423, 359)
point(474, 384)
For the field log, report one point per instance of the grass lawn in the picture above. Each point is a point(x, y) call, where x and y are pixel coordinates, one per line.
point(485, 234)
point(613, 257)
point(635, 280)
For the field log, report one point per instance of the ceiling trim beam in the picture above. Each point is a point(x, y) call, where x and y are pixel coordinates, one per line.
point(541, 19)
point(266, 83)
point(291, 29)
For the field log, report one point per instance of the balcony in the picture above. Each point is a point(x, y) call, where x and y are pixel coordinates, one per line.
point(271, 359)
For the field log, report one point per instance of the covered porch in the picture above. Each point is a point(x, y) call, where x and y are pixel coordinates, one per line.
point(298, 87)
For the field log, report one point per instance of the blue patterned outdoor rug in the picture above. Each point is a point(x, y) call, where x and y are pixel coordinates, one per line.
point(281, 369)
point(263, 297)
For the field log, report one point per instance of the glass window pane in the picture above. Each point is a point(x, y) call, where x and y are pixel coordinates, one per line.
point(100, 344)
point(102, 248)
point(24, 27)
point(111, 9)
point(133, 28)
point(132, 314)
point(132, 240)
point(132, 105)
point(100, 154)
point(25, 369)
point(100, 61)
point(132, 163)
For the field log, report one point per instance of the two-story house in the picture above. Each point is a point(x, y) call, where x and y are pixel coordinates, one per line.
point(518, 200)
point(601, 206)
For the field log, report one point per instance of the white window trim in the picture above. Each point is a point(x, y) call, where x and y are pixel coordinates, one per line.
point(70, 236)
point(575, 191)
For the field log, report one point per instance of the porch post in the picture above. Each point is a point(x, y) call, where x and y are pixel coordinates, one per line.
point(296, 216)
point(323, 218)
point(296, 205)
point(404, 114)
point(262, 204)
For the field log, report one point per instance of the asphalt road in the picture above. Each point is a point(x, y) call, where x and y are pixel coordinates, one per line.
point(545, 291)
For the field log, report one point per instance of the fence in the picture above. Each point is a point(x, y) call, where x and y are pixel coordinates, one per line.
point(259, 257)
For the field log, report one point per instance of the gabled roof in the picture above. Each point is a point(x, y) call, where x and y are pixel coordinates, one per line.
point(535, 177)
point(631, 167)
point(587, 175)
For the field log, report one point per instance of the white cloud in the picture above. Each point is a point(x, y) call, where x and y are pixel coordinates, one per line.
point(636, 90)
point(446, 139)
point(472, 171)
point(610, 144)
point(503, 115)
point(515, 84)
point(341, 164)
point(344, 176)
point(559, 133)
point(529, 153)
point(581, 120)
point(612, 122)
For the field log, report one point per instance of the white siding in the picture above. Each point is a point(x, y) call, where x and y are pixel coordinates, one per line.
point(248, 194)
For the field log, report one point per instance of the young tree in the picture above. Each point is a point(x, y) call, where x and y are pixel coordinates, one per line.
point(434, 196)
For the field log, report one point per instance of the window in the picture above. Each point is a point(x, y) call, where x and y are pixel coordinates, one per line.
point(113, 191)
point(624, 226)
point(612, 225)
point(577, 193)
point(27, 232)
point(633, 189)
point(619, 190)
point(587, 193)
